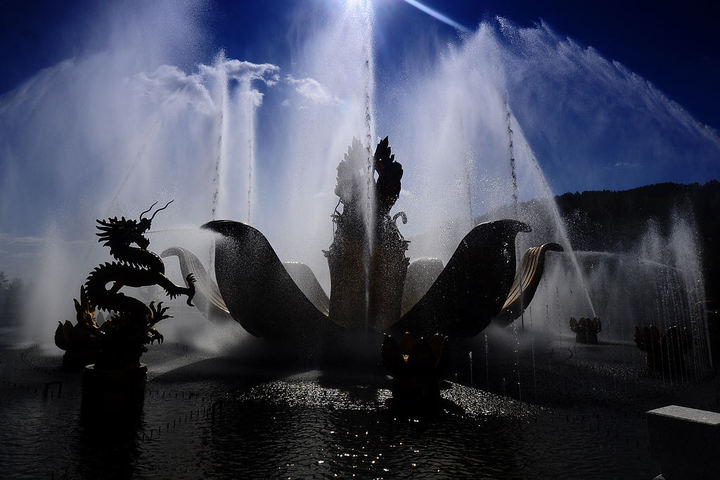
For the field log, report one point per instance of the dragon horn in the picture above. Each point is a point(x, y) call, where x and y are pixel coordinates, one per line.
point(146, 211)
point(160, 209)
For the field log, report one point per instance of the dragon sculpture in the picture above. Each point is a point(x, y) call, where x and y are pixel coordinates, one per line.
point(120, 341)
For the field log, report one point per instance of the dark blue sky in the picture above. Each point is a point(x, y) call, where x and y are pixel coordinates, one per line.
point(672, 44)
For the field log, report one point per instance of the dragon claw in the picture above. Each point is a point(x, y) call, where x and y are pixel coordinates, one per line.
point(158, 313)
point(157, 337)
point(190, 280)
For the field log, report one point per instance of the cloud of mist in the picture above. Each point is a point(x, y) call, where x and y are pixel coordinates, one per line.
point(312, 90)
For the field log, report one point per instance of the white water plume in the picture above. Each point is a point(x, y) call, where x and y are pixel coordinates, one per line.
point(332, 102)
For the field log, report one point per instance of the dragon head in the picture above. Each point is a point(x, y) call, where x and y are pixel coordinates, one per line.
point(124, 232)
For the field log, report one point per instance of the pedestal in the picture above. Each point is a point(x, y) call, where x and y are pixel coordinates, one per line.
point(685, 442)
point(416, 394)
point(113, 392)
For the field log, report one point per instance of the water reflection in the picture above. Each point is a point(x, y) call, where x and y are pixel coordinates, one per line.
point(223, 418)
point(108, 446)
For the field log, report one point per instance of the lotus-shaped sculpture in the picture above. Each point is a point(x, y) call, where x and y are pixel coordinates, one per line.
point(375, 287)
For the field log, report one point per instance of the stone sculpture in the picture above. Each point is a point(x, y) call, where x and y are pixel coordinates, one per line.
point(664, 349)
point(586, 329)
point(368, 270)
point(120, 341)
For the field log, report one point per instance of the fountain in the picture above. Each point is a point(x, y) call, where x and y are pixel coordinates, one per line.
point(473, 122)
point(262, 143)
point(368, 269)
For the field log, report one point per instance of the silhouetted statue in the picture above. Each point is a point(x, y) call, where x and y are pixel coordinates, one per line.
point(367, 257)
point(586, 329)
point(120, 341)
point(665, 350)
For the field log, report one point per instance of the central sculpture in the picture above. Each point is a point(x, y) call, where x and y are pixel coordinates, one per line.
point(367, 257)
point(374, 287)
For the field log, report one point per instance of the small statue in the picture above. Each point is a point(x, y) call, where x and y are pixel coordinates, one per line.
point(120, 341)
point(665, 351)
point(586, 329)
point(415, 366)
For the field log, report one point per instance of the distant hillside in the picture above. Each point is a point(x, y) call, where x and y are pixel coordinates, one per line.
point(616, 221)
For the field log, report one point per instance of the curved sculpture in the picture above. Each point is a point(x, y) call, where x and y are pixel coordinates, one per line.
point(526, 282)
point(210, 301)
point(208, 297)
point(421, 275)
point(284, 301)
point(308, 284)
point(259, 292)
point(473, 286)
